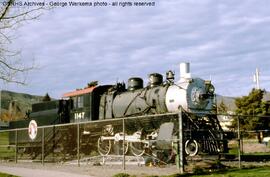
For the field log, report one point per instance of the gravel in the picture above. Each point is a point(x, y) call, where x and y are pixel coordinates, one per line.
point(29, 172)
point(71, 170)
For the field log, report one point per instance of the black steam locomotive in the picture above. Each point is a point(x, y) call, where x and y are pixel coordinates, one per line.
point(100, 102)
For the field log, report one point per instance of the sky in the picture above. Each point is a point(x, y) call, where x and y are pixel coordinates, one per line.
point(223, 40)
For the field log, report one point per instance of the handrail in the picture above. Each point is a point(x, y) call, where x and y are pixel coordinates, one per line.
point(96, 121)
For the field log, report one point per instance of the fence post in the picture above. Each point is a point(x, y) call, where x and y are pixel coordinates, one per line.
point(42, 153)
point(16, 146)
point(181, 148)
point(239, 142)
point(78, 144)
point(124, 138)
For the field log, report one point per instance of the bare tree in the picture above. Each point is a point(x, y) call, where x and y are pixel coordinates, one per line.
point(12, 68)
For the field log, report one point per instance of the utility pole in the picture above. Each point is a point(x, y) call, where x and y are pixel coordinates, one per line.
point(256, 78)
point(1, 103)
point(239, 142)
point(180, 148)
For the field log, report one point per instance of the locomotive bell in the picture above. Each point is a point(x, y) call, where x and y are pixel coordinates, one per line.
point(170, 77)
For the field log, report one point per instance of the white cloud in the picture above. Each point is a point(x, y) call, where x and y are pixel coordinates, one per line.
point(224, 39)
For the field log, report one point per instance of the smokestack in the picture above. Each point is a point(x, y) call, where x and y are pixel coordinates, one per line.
point(184, 72)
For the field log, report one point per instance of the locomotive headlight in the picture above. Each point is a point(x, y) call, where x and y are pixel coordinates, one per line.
point(209, 88)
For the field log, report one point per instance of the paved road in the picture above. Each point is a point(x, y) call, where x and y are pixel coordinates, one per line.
point(26, 172)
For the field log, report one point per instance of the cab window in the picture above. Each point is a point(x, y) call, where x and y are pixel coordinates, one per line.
point(80, 101)
point(74, 102)
point(77, 101)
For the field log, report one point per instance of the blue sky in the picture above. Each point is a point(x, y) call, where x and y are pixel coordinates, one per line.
point(223, 40)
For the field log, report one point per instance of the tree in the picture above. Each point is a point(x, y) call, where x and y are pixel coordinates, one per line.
point(254, 110)
point(222, 108)
point(46, 98)
point(12, 68)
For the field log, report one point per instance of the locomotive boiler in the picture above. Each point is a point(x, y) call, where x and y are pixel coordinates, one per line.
point(194, 95)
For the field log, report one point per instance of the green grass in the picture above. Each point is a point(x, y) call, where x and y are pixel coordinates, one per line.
point(121, 175)
point(251, 172)
point(257, 153)
point(5, 152)
point(233, 151)
point(4, 138)
point(6, 175)
point(255, 172)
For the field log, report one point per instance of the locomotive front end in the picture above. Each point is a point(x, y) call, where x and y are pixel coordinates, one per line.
point(194, 95)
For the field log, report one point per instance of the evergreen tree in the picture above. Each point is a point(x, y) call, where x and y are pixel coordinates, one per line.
point(253, 108)
point(46, 98)
point(222, 108)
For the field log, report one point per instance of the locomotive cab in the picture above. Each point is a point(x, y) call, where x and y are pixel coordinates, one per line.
point(82, 104)
point(85, 102)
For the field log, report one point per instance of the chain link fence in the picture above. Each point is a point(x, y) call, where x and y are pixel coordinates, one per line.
point(143, 140)
point(128, 140)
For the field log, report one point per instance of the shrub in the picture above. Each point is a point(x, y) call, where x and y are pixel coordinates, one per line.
point(121, 175)
point(198, 170)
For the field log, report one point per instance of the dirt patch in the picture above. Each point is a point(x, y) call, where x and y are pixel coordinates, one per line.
point(255, 148)
point(108, 170)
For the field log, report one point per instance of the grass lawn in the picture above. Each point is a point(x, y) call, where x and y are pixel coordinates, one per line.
point(254, 172)
point(6, 175)
point(5, 152)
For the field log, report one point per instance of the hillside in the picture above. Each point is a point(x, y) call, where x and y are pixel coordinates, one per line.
point(266, 96)
point(228, 101)
point(14, 105)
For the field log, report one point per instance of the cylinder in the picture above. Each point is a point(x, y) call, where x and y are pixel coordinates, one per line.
point(155, 79)
point(135, 83)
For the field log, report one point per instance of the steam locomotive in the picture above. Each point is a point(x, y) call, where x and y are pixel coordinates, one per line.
point(103, 102)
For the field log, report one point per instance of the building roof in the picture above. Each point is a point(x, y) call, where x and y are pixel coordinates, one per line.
point(79, 92)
